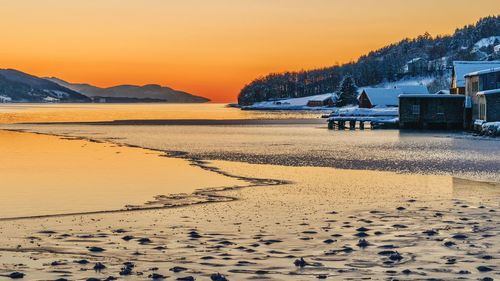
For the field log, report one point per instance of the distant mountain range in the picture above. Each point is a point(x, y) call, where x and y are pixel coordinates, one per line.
point(425, 59)
point(131, 93)
point(17, 87)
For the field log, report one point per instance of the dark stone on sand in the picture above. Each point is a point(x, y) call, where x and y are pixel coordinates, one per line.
point(396, 257)
point(362, 243)
point(16, 275)
point(430, 232)
point(378, 233)
point(399, 226)
point(47, 232)
point(110, 278)
point(82, 261)
point(156, 276)
point(127, 237)
point(464, 272)
point(386, 253)
point(460, 236)
point(93, 279)
point(487, 257)
point(300, 262)
point(187, 278)
point(144, 241)
point(487, 279)
point(56, 263)
point(119, 230)
point(218, 277)
point(271, 241)
point(361, 234)
point(322, 276)
point(178, 269)
point(449, 244)
point(194, 235)
point(400, 208)
point(387, 246)
point(407, 271)
point(329, 241)
point(483, 268)
point(99, 266)
point(61, 279)
point(363, 229)
point(451, 261)
point(127, 269)
point(96, 249)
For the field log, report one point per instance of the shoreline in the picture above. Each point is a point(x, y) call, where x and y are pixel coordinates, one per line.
point(260, 231)
point(200, 196)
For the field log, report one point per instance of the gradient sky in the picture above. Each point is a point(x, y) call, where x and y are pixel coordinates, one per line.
point(210, 47)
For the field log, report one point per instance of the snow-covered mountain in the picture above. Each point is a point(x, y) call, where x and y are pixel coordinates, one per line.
point(17, 86)
point(132, 93)
point(425, 59)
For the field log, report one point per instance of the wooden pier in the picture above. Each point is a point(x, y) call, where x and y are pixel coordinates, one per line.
point(353, 122)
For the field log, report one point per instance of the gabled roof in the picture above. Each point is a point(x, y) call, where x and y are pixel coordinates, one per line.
point(322, 97)
point(462, 68)
point(390, 96)
point(481, 72)
point(383, 96)
point(489, 92)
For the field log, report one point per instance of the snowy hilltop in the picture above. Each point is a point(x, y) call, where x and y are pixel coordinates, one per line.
point(423, 60)
point(17, 86)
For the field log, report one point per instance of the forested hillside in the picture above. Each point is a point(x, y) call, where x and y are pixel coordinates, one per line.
point(424, 56)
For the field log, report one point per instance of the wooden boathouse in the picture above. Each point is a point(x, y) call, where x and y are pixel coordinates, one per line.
point(431, 111)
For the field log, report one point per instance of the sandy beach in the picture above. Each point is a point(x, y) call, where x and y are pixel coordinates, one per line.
point(254, 218)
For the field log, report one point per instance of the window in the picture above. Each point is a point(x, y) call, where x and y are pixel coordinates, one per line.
point(482, 108)
point(415, 109)
point(475, 86)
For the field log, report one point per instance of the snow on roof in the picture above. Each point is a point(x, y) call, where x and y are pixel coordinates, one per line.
point(295, 101)
point(389, 96)
point(432, 96)
point(443, 92)
point(462, 68)
point(413, 89)
point(321, 97)
point(489, 92)
point(481, 72)
point(414, 60)
point(383, 96)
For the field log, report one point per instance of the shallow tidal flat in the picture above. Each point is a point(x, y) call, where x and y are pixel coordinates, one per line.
point(48, 175)
point(345, 224)
point(258, 198)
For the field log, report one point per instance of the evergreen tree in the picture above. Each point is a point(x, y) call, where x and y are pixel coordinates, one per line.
point(348, 92)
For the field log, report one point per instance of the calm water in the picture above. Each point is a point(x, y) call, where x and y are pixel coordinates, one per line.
point(17, 113)
point(109, 177)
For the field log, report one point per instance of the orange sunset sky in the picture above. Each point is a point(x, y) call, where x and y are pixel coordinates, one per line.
point(210, 47)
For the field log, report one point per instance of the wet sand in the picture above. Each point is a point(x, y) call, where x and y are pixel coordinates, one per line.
point(46, 175)
point(292, 143)
point(294, 202)
point(345, 224)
